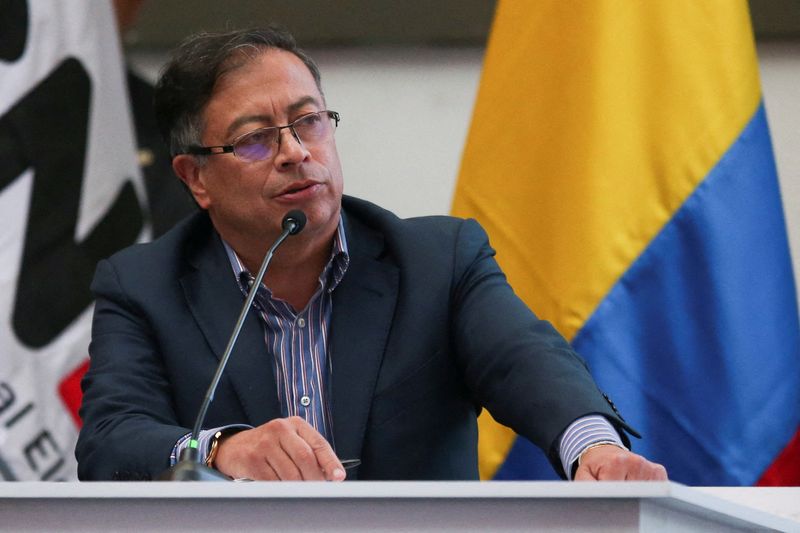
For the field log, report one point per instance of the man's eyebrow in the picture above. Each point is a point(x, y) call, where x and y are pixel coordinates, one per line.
point(301, 103)
point(241, 121)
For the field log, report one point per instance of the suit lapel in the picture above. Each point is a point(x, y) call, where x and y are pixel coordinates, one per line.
point(363, 307)
point(215, 301)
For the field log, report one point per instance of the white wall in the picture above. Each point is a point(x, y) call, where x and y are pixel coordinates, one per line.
point(780, 80)
point(405, 114)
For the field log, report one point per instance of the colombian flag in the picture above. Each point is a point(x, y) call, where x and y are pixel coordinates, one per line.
point(619, 158)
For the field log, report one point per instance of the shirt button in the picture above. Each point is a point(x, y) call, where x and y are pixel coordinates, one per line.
point(305, 401)
point(301, 322)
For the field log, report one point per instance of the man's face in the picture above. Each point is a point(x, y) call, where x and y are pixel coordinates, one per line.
point(248, 200)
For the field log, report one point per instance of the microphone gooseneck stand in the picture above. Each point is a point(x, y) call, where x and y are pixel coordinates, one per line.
point(191, 466)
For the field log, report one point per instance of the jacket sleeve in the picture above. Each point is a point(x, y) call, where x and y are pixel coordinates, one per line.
point(518, 367)
point(127, 400)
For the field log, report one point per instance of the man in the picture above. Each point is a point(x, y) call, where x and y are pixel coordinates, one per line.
point(373, 338)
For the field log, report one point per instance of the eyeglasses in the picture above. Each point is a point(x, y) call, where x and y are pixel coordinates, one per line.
point(260, 144)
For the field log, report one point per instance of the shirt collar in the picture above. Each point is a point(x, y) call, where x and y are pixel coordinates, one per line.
point(331, 275)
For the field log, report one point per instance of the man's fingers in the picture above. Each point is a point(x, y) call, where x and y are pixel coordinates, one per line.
point(656, 472)
point(266, 473)
point(280, 459)
point(324, 455)
point(614, 469)
point(302, 457)
point(611, 463)
point(584, 474)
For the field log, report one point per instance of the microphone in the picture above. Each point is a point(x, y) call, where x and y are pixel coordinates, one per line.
point(295, 220)
point(190, 467)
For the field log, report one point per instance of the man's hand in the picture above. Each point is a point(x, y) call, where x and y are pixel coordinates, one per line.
point(281, 449)
point(612, 463)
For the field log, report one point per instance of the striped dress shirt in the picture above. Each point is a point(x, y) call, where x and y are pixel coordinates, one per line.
point(298, 340)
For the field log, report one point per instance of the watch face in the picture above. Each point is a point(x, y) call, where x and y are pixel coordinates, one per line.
point(212, 452)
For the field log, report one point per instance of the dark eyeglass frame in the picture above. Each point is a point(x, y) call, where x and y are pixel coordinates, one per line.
point(231, 148)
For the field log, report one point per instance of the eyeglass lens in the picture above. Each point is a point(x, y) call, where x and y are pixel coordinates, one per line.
point(262, 143)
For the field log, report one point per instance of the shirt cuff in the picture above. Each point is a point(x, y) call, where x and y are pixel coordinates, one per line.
point(580, 435)
point(203, 441)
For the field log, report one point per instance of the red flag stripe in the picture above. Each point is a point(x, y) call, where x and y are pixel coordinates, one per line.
point(785, 471)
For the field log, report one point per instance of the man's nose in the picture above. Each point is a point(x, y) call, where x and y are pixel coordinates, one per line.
point(290, 150)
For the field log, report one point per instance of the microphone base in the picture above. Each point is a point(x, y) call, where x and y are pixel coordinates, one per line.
point(192, 471)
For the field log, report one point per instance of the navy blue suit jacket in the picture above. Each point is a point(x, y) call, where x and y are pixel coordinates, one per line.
point(425, 332)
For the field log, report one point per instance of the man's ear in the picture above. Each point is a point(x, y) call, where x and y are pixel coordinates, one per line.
point(190, 173)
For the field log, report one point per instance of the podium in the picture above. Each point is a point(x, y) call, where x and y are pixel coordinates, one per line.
point(386, 506)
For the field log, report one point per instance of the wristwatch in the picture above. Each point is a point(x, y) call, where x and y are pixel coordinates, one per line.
point(212, 451)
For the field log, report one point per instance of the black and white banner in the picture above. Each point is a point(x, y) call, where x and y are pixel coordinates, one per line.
point(71, 193)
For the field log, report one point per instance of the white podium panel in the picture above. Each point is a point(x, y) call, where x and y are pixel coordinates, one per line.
point(373, 506)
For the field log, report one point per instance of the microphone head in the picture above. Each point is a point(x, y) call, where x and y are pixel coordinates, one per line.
point(294, 219)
